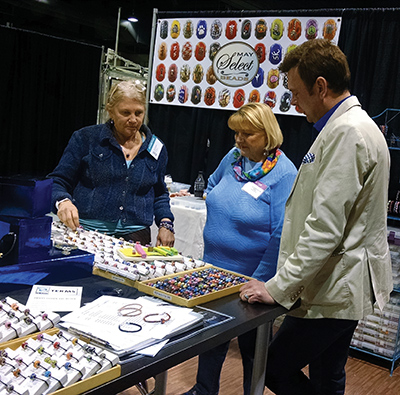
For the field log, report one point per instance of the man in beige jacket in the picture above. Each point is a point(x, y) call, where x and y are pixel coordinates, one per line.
point(334, 255)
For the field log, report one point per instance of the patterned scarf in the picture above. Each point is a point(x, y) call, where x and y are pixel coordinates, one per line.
point(258, 171)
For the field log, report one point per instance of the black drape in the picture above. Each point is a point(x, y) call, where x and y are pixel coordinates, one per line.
point(49, 89)
point(368, 38)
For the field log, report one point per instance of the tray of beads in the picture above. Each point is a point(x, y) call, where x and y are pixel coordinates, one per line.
point(55, 362)
point(128, 273)
point(107, 248)
point(195, 286)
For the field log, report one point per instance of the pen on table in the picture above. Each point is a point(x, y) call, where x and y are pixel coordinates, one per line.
point(89, 336)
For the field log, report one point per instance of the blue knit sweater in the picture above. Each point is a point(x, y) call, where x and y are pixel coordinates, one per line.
point(242, 234)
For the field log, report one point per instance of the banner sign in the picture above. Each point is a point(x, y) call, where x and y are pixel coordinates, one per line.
point(224, 63)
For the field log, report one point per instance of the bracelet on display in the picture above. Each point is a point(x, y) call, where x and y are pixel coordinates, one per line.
point(163, 318)
point(20, 361)
point(89, 358)
point(45, 317)
point(68, 366)
point(4, 362)
point(52, 362)
point(37, 364)
point(90, 349)
point(47, 374)
point(11, 314)
point(27, 312)
point(75, 342)
point(42, 351)
point(29, 321)
point(57, 346)
point(8, 325)
point(17, 373)
point(60, 335)
point(14, 306)
point(69, 356)
point(25, 346)
point(9, 388)
point(167, 224)
point(34, 377)
point(130, 327)
point(40, 337)
point(130, 310)
point(103, 357)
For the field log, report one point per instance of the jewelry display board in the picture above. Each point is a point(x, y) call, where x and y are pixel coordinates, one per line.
point(56, 362)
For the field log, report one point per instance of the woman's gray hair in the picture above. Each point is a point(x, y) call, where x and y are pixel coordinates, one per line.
point(129, 89)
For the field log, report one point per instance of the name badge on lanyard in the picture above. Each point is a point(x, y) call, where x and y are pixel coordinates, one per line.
point(155, 147)
point(254, 189)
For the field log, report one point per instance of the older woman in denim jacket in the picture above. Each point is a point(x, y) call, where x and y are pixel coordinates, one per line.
point(111, 176)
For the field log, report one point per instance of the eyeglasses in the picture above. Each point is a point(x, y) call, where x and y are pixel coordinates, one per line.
point(139, 86)
point(136, 83)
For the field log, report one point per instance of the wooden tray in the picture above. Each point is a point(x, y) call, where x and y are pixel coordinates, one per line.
point(179, 300)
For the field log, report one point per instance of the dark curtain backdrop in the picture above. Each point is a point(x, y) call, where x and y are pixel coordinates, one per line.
point(49, 89)
point(197, 139)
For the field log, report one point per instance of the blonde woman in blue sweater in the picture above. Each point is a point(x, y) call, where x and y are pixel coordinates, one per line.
point(245, 201)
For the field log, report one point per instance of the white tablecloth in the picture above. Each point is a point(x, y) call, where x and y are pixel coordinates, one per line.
point(190, 217)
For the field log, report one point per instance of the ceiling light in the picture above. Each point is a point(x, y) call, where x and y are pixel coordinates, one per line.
point(132, 18)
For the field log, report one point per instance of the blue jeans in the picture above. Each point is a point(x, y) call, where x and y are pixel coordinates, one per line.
point(210, 365)
point(323, 344)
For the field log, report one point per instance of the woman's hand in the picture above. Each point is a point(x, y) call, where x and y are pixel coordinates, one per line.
point(68, 214)
point(255, 291)
point(165, 238)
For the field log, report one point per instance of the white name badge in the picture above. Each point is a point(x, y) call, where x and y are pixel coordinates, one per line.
point(254, 189)
point(155, 147)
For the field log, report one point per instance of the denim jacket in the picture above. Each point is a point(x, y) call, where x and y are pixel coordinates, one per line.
point(94, 175)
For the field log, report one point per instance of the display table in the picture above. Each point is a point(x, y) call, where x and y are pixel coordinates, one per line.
point(190, 217)
point(140, 368)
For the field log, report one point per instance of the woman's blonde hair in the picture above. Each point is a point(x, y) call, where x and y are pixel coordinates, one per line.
point(258, 116)
point(129, 89)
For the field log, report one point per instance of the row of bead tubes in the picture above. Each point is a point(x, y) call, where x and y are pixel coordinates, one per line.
point(99, 244)
point(50, 362)
point(16, 320)
point(148, 270)
point(105, 249)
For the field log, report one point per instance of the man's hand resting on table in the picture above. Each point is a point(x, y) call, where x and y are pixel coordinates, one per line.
point(255, 291)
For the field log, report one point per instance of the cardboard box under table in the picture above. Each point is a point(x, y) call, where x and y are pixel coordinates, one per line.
point(145, 286)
